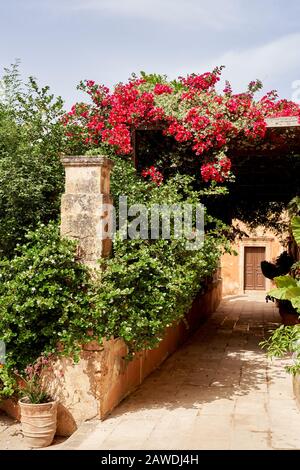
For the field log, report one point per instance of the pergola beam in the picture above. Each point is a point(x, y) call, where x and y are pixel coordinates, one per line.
point(283, 122)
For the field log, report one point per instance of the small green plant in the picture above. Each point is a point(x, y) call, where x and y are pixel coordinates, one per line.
point(8, 382)
point(284, 342)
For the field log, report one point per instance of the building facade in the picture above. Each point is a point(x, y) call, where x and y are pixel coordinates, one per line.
point(241, 272)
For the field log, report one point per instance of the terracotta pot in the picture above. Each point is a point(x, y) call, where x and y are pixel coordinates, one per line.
point(288, 314)
point(289, 319)
point(38, 422)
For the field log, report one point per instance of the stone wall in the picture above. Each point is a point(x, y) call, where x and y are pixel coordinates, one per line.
point(84, 206)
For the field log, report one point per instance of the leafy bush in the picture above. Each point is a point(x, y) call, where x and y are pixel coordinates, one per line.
point(149, 284)
point(31, 175)
point(285, 341)
point(44, 297)
point(288, 287)
point(50, 304)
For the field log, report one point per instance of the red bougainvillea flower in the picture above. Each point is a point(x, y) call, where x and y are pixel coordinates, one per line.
point(189, 109)
point(154, 174)
point(218, 171)
point(160, 88)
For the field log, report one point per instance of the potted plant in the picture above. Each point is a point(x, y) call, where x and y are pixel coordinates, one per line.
point(287, 287)
point(38, 408)
point(282, 265)
point(285, 340)
point(273, 271)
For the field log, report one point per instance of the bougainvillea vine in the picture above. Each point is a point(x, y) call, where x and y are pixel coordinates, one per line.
point(190, 109)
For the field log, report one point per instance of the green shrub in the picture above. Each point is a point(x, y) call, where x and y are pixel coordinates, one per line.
point(149, 284)
point(283, 342)
point(286, 339)
point(44, 297)
point(48, 299)
point(31, 175)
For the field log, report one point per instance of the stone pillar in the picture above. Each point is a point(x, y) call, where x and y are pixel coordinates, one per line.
point(87, 189)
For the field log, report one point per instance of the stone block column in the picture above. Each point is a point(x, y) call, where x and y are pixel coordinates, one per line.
point(83, 205)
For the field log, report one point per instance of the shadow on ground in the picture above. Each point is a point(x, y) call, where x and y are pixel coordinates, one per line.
point(223, 360)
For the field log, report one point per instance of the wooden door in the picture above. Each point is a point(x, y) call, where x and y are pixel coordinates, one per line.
point(253, 277)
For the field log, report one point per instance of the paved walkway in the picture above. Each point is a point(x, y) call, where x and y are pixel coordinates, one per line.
point(217, 392)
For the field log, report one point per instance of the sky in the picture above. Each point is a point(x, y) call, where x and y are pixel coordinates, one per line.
point(61, 42)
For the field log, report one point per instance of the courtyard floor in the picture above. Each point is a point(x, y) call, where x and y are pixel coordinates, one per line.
point(219, 391)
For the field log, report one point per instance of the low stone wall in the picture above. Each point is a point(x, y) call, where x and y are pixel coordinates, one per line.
point(102, 378)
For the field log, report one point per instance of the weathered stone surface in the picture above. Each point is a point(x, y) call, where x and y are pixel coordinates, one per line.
point(86, 175)
point(86, 206)
point(75, 385)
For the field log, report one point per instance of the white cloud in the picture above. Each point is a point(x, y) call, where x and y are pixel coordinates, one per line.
point(217, 14)
point(272, 62)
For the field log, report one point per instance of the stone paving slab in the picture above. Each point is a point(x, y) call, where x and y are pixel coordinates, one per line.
point(219, 391)
point(11, 437)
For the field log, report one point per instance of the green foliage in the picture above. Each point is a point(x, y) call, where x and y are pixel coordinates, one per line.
point(288, 287)
point(285, 341)
point(149, 284)
point(7, 382)
point(31, 175)
point(48, 302)
point(294, 206)
point(295, 225)
point(44, 296)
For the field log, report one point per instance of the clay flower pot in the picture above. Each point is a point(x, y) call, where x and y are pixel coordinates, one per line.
point(38, 422)
point(288, 314)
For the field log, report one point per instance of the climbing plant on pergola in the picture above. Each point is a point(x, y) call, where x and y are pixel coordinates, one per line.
point(192, 128)
point(188, 109)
